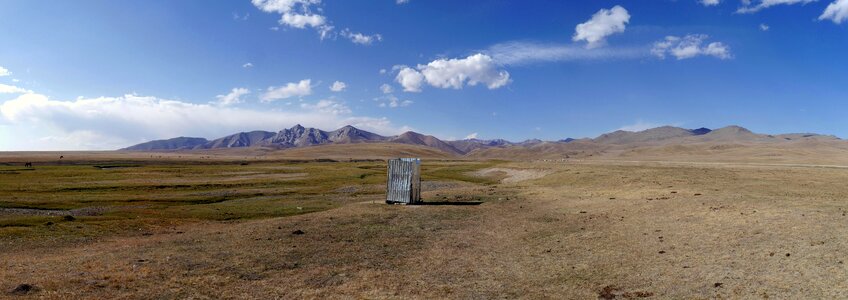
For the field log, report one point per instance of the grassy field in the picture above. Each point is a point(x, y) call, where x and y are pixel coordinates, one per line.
point(573, 229)
point(82, 200)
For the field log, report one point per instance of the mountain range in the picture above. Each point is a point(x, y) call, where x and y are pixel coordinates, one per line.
point(299, 136)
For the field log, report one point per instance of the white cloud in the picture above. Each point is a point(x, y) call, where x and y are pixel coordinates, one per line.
point(401, 1)
point(383, 71)
point(602, 24)
point(752, 6)
point(297, 14)
point(359, 38)
point(234, 97)
point(4, 72)
point(391, 101)
point(639, 126)
point(303, 20)
point(338, 86)
point(34, 122)
point(764, 27)
point(410, 79)
point(291, 89)
point(709, 2)
point(328, 106)
point(471, 136)
point(10, 89)
point(836, 12)
point(247, 65)
point(690, 46)
point(386, 89)
point(454, 73)
point(518, 53)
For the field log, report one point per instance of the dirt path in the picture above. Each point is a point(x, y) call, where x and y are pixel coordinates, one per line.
point(513, 175)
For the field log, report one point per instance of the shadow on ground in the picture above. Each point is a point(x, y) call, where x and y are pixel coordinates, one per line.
point(450, 203)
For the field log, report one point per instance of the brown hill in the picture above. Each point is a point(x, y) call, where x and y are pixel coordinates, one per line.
point(646, 136)
point(414, 138)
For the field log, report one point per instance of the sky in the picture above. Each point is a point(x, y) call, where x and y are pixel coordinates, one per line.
point(101, 75)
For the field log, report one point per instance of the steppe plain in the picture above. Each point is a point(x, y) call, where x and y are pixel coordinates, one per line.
point(666, 221)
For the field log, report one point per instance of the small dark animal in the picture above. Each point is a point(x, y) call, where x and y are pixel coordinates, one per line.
point(28, 165)
point(61, 156)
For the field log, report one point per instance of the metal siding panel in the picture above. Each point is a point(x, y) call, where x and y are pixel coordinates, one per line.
point(403, 184)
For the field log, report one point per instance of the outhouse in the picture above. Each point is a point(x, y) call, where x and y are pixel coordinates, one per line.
point(404, 181)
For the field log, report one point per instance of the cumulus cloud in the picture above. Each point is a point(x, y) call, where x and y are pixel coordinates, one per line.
point(303, 20)
point(604, 23)
point(35, 122)
point(247, 65)
point(454, 73)
point(338, 86)
point(297, 14)
point(401, 1)
point(234, 97)
point(10, 89)
point(752, 6)
point(4, 72)
point(410, 79)
point(520, 52)
point(471, 136)
point(709, 2)
point(836, 12)
point(359, 38)
point(291, 89)
point(690, 46)
point(386, 89)
point(764, 27)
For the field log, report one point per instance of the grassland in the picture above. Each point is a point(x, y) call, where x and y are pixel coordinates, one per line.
point(76, 200)
point(280, 229)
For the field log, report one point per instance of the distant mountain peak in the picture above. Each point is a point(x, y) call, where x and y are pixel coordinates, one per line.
point(178, 143)
point(701, 131)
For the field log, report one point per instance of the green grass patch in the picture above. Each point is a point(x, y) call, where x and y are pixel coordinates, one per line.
point(134, 196)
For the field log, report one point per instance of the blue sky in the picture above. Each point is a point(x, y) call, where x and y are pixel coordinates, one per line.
point(108, 74)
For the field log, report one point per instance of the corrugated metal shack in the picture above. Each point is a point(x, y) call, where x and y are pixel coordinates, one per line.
point(404, 181)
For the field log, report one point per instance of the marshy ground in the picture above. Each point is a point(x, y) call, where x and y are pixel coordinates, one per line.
point(573, 229)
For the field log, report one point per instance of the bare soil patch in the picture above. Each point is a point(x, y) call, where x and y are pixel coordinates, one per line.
point(513, 175)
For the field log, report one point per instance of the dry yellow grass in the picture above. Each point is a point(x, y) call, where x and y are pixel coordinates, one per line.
point(582, 231)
